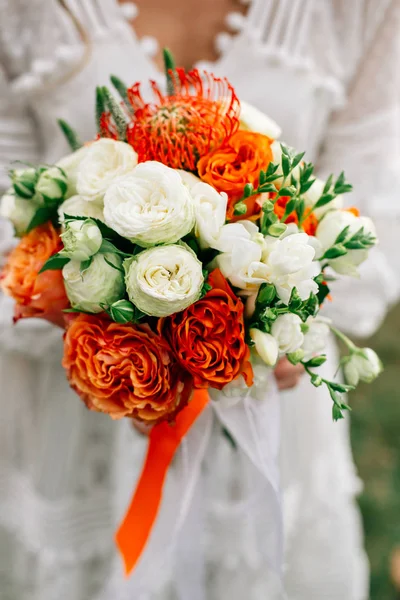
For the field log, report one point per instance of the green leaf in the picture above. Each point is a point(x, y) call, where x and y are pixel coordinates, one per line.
point(100, 107)
point(70, 134)
point(54, 263)
point(317, 361)
point(305, 186)
point(108, 247)
point(285, 150)
point(289, 208)
point(261, 177)
point(342, 235)
point(341, 387)
point(337, 413)
point(42, 215)
point(286, 168)
point(116, 113)
point(297, 159)
point(169, 67)
point(323, 200)
point(287, 191)
point(122, 90)
point(268, 187)
point(335, 252)
point(328, 184)
point(300, 208)
point(85, 264)
point(271, 169)
point(248, 190)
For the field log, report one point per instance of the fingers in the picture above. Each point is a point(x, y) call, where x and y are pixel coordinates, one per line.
point(287, 375)
point(143, 428)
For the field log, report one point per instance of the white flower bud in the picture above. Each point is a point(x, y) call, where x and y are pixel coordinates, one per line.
point(17, 210)
point(266, 346)
point(81, 239)
point(52, 185)
point(98, 284)
point(364, 365)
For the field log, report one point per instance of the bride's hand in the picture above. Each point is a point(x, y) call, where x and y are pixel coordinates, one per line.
point(141, 427)
point(288, 375)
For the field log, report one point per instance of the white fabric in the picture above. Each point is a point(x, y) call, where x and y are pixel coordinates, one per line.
point(70, 473)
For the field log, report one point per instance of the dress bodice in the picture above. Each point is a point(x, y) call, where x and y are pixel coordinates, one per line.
point(318, 44)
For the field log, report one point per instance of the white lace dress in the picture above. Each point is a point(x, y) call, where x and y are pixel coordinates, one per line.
point(324, 69)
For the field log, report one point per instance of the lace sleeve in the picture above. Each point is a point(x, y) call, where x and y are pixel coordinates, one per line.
point(364, 139)
point(32, 337)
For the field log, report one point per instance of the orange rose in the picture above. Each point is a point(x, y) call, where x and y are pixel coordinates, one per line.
point(36, 295)
point(208, 337)
point(310, 221)
point(124, 370)
point(238, 162)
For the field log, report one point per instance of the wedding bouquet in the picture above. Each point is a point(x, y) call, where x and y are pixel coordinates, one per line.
point(179, 246)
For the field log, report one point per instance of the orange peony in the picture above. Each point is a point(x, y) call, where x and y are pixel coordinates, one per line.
point(124, 370)
point(238, 162)
point(310, 221)
point(208, 338)
point(36, 295)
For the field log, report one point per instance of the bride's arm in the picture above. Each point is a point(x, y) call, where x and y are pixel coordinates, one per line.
point(18, 141)
point(364, 139)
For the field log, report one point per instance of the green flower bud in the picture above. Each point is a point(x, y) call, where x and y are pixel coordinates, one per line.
point(17, 210)
point(24, 182)
point(240, 209)
point(81, 239)
point(52, 185)
point(296, 357)
point(268, 206)
point(316, 380)
point(122, 311)
point(277, 229)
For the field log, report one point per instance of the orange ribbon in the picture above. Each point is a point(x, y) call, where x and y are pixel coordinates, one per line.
point(164, 440)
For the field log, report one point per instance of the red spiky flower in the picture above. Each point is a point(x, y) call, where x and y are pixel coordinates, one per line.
point(178, 129)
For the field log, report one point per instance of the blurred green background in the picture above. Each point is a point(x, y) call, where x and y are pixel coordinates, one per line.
point(376, 447)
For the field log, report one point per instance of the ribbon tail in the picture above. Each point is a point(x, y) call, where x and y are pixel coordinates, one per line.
point(164, 440)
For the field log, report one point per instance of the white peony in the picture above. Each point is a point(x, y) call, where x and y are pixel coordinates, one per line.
point(17, 210)
point(364, 365)
point(150, 206)
point(81, 239)
point(253, 119)
point(331, 226)
point(316, 337)
point(164, 280)
point(290, 264)
point(241, 261)
point(210, 212)
point(266, 346)
point(313, 195)
point(70, 165)
point(98, 284)
point(104, 161)
point(287, 332)
point(76, 206)
point(188, 178)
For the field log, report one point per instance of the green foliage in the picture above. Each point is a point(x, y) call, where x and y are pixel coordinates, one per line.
point(70, 135)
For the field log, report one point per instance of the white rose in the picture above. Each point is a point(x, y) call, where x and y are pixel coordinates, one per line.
point(266, 346)
point(364, 365)
point(290, 263)
point(150, 206)
point(316, 337)
point(312, 195)
point(76, 206)
point(17, 210)
point(52, 185)
point(70, 165)
point(287, 332)
point(253, 119)
point(241, 261)
point(98, 284)
point(164, 280)
point(210, 212)
point(81, 239)
point(331, 226)
point(104, 161)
